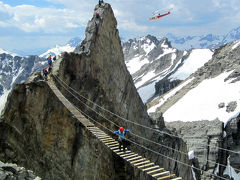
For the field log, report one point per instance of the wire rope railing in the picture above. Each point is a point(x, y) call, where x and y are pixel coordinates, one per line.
point(152, 129)
point(66, 87)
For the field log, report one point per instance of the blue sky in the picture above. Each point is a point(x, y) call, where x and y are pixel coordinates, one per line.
point(32, 26)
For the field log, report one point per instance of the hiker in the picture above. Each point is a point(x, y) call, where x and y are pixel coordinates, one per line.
point(100, 2)
point(54, 58)
point(83, 47)
point(45, 73)
point(121, 137)
point(97, 15)
point(49, 69)
point(49, 60)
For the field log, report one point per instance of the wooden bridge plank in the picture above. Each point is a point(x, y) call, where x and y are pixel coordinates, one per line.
point(150, 168)
point(160, 174)
point(166, 177)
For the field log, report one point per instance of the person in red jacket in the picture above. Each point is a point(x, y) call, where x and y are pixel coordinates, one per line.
point(121, 137)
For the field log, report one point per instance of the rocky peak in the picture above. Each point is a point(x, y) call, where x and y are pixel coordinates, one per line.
point(165, 43)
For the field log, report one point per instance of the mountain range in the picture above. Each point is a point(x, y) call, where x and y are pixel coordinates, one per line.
point(209, 41)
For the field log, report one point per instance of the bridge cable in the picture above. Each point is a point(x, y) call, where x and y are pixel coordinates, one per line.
point(137, 123)
point(138, 135)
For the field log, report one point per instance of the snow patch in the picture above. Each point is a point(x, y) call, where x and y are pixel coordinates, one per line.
point(2, 51)
point(191, 155)
point(196, 59)
point(201, 103)
point(230, 171)
point(135, 64)
point(237, 43)
point(3, 100)
point(58, 50)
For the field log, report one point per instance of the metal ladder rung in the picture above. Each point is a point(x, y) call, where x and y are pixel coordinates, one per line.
point(155, 170)
point(160, 174)
point(146, 165)
point(178, 178)
point(140, 163)
point(166, 177)
point(150, 168)
point(135, 158)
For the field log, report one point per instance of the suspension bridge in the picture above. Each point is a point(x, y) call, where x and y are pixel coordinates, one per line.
point(149, 168)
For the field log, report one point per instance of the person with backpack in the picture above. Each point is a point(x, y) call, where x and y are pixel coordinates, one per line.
point(121, 137)
point(45, 73)
point(54, 58)
point(49, 60)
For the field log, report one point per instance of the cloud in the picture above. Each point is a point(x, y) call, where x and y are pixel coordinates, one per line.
point(36, 19)
point(131, 25)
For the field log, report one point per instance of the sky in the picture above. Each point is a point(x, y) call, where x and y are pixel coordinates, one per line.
point(33, 26)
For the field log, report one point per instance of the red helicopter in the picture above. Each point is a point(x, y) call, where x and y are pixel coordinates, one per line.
point(158, 15)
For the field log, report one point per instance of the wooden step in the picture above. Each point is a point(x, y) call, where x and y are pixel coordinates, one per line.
point(130, 156)
point(118, 152)
point(145, 165)
point(104, 140)
point(113, 145)
point(108, 140)
point(113, 142)
point(140, 163)
point(150, 168)
point(135, 158)
point(114, 148)
point(127, 154)
point(161, 174)
point(102, 136)
point(155, 170)
point(166, 177)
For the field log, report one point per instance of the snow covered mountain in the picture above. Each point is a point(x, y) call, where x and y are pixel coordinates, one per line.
point(217, 80)
point(206, 107)
point(209, 41)
point(151, 61)
point(15, 69)
point(56, 51)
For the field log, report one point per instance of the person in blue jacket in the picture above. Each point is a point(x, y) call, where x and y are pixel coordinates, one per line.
point(121, 137)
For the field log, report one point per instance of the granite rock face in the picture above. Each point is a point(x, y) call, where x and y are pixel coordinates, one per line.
point(38, 132)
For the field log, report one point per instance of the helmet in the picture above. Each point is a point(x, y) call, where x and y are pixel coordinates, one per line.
point(121, 129)
point(45, 68)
